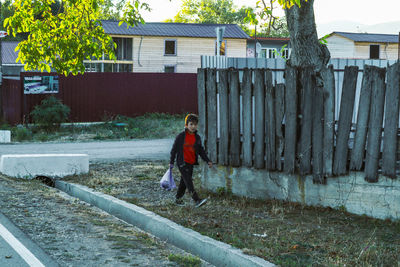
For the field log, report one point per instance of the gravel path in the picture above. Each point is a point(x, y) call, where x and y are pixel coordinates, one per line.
point(76, 234)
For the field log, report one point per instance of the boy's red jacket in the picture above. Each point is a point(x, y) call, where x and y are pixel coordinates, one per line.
point(177, 150)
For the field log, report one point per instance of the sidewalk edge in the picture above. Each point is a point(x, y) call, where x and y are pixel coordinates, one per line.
point(212, 251)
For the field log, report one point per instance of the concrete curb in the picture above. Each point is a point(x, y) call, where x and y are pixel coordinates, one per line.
point(212, 251)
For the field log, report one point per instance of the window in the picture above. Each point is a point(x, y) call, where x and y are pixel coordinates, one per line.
point(285, 53)
point(222, 49)
point(170, 48)
point(124, 48)
point(374, 51)
point(117, 67)
point(169, 68)
point(274, 53)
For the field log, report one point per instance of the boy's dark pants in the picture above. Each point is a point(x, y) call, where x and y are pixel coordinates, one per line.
point(186, 182)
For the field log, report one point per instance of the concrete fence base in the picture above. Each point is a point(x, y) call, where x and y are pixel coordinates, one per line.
point(29, 166)
point(378, 200)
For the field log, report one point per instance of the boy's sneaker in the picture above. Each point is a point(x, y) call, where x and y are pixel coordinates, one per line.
point(200, 202)
point(179, 202)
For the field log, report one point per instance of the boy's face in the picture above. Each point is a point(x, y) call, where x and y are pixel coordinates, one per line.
point(192, 127)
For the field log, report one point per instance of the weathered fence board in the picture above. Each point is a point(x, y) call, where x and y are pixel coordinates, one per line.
point(358, 151)
point(290, 119)
point(270, 122)
point(258, 123)
point(345, 119)
point(234, 120)
point(247, 119)
point(391, 121)
point(223, 144)
point(201, 102)
point(307, 80)
point(212, 115)
point(317, 134)
point(375, 124)
point(329, 119)
point(279, 113)
point(259, 95)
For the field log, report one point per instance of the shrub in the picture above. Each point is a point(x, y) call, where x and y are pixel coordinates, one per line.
point(22, 133)
point(50, 113)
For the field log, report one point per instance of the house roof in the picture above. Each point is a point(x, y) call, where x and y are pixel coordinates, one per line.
point(8, 54)
point(173, 29)
point(271, 38)
point(369, 37)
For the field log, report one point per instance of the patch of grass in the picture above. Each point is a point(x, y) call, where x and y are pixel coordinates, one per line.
point(144, 237)
point(149, 126)
point(187, 261)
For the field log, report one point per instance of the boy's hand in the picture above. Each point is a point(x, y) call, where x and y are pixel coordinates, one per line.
point(210, 164)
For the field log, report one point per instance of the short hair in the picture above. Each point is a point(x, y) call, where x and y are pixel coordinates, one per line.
point(191, 118)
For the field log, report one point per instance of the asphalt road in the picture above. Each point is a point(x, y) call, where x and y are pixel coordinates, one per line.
point(152, 149)
point(17, 250)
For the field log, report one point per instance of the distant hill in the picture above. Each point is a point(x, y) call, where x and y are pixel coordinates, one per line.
point(352, 26)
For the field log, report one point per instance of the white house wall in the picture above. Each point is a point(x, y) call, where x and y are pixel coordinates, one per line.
point(386, 51)
point(148, 53)
point(341, 47)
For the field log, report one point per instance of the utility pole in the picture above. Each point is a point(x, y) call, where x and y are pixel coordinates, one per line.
point(398, 49)
point(255, 41)
point(220, 35)
point(2, 35)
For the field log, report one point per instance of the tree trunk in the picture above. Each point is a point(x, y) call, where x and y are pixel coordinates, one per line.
point(306, 48)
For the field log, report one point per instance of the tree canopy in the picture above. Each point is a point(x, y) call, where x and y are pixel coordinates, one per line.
point(210, 11)
point(62, 40)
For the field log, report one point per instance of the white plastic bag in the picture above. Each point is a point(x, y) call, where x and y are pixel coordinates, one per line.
point(167, 181)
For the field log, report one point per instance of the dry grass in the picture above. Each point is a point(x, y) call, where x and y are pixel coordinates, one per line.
point(286, 234)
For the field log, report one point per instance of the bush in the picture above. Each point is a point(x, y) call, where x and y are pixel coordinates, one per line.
point(50, 113)
point(22, 134)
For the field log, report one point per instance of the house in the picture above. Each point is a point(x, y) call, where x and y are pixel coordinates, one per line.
point(155, 47)
point(267, 47)
point(167, 47)
point(363, 45)
point(8, 59)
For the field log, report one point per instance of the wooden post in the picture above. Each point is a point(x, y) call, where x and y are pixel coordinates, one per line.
point(329, 119)
point(375, 125)
point(306, 106)
point(317, 134)
point(202, 102)
point(391, 121)
point(345, 119)
point(223, 146)
point(360, 138)
point(290, 119)
point(279, 113)
point(247, 119)
point(259, 95)
point(212, 115)
point(234, 120)
point(270, 156)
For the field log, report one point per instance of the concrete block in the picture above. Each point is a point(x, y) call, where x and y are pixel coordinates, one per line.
point(29, 166)
point(5, 136)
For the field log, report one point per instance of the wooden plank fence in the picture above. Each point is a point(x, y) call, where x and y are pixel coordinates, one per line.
point(253, 122)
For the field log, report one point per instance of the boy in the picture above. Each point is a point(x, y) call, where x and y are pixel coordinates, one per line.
point(186, 148)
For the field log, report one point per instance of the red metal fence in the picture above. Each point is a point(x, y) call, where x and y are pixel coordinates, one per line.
point(95, 96)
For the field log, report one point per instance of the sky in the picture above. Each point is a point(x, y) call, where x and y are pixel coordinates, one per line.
point(366, 12)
